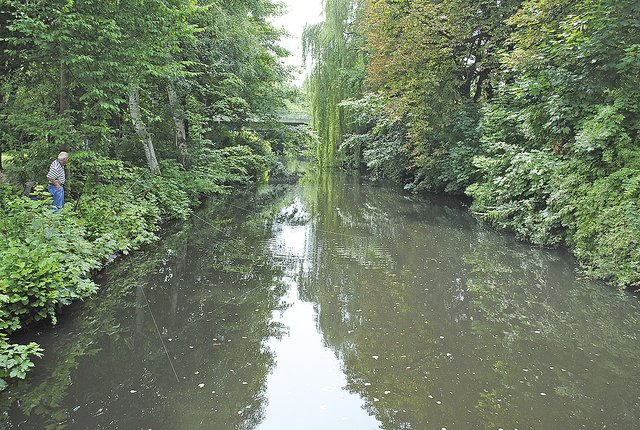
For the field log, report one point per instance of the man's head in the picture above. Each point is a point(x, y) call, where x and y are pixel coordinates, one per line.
point(63, 157)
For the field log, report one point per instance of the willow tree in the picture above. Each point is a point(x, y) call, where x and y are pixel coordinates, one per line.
point(337, 74)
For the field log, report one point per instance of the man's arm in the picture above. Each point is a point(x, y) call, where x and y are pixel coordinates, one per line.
point(54, 182)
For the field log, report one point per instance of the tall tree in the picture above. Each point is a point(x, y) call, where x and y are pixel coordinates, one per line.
point(437, 62)
point(141, 130)
point(177, 112)
point(334, 46)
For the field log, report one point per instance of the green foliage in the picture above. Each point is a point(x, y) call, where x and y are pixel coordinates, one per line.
point(530, 107)
point(603, 141)
point(290, 141)
point(15, 359)
point(516, 191)
point(447, 163)
point(604, 233)
point(45, 260)
point(381, 142)
point(337, 75)
point(72, 68)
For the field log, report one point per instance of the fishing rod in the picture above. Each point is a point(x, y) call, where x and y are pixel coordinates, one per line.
point(77, 204)
point(86, 181)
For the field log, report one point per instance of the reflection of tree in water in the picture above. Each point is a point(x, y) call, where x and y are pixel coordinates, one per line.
point(441, 323)
point(212, 297)
point(363, 282)
point(574, 337)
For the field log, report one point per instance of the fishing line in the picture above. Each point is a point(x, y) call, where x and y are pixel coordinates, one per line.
point(155, 324)
point(335, 233)
point(237, 207)
point(230, 301)
point(122, 192)
point(235, 299)
point(159, 335)
point(77, 204)
point(243, 295)
point(211, 225)
point(144, 171)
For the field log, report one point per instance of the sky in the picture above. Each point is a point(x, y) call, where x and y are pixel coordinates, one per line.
point(299, 13)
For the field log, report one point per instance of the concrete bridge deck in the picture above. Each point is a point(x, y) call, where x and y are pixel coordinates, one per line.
point(294, 118)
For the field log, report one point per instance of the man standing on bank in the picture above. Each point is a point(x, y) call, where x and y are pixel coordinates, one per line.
point(56, 180)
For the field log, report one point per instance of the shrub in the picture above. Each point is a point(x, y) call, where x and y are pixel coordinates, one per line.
point(516, 191)
point(606, 231)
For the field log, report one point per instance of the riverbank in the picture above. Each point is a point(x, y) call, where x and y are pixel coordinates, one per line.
point(47, 260)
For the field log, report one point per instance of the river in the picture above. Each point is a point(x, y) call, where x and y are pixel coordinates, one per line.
point(337, 304)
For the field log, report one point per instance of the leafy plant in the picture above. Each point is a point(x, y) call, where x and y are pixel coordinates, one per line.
point(15, 359)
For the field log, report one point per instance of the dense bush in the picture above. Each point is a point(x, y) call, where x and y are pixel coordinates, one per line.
point(516, 192)
point(605, 233)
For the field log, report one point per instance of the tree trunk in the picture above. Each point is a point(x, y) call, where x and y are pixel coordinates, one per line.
point(179, 121)
point(141, 130)
point(65, 100)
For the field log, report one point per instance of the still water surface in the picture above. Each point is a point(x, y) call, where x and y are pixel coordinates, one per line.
point(338, 305)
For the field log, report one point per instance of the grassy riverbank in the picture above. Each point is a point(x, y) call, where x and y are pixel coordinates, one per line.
point(47, 260)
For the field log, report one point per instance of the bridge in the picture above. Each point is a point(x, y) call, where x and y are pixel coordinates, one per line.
point(294, 118)
point(290, 118)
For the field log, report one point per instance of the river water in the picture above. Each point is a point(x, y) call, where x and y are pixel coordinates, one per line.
point(337, 305)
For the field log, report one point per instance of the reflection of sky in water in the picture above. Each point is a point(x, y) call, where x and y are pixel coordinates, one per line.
point(306, 388)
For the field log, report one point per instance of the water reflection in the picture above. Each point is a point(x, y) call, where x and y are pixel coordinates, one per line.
point(212, 297)
point(443, 324)
point(339, 305)
point(306, 388)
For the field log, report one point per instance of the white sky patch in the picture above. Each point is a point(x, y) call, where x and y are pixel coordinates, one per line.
point(298, 14)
